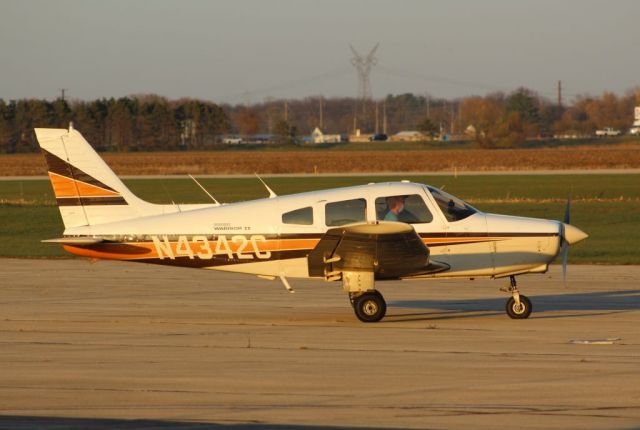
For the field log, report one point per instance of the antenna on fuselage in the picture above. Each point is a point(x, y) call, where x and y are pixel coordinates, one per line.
point(271, 193)
point(205, 190)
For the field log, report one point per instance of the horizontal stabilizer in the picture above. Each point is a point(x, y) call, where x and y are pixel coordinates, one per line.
point(76, 240)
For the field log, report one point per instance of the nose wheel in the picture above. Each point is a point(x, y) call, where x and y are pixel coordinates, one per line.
point(369, 306)
point(518, 305)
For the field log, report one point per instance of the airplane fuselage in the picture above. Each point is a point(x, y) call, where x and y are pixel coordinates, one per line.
point(274, 236)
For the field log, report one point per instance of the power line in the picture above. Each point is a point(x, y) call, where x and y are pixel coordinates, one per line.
point(472, 85)
point(340, 71)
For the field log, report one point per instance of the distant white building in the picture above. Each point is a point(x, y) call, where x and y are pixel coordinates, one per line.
point(360, 137)
point(317, 136)
point(409, 136)
point(231, 140)
point(470, 130)
point(635, 128)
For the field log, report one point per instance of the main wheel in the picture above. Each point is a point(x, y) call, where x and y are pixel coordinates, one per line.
point(519, 312)
point(370, 307)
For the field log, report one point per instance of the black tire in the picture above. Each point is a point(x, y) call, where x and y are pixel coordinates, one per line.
point(519, 313)
point(370, 307)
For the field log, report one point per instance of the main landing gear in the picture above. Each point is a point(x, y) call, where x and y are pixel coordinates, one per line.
point(518, 306)
point(369, 306)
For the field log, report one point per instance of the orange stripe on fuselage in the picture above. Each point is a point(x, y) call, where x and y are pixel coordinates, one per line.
point(67, 187)
point(144, 250)
point(114, 251)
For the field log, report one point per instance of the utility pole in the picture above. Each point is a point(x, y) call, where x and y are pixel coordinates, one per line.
point(451, 123)
point(355, 122)
point(428, 105)
point(384, 116)
point(559, 95)
point(321, 115)
point(355, 116)
point(377, 115)
point(286, 111)
point(62, 91)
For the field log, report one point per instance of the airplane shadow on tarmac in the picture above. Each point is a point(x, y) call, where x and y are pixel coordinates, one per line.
point(588, 303)
point(64, 423)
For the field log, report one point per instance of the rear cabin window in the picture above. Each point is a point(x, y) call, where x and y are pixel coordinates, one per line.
point(345, 212)
point(303, 216)
point(410, 209)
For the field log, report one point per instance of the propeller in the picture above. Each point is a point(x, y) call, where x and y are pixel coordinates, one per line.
point(570, 236)
point(565, 245)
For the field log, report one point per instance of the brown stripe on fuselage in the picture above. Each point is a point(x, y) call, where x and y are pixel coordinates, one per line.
point(435, 242)
point(222, 260)
point(484, 235)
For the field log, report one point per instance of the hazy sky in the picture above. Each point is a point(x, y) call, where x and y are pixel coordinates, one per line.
point(245, 51)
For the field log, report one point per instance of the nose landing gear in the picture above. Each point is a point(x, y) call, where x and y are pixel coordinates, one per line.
point(369, 306)
point(518, 306)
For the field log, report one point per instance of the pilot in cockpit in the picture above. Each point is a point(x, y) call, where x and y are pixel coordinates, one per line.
point(396, 210)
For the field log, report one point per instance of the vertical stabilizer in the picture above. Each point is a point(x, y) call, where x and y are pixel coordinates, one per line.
point(87, 191)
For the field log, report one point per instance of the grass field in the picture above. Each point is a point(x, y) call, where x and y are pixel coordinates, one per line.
point(605, 206)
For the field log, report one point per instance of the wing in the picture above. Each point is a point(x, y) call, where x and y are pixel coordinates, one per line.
point(388, 249)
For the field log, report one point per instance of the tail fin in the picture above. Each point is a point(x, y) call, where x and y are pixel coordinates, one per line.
point(86, 189)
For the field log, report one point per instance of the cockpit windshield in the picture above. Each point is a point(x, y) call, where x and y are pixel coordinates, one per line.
point(452, 207)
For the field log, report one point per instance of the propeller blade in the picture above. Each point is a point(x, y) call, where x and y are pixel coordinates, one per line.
point(565, 255)
point(567, 211)
point(569, 235)
point(565, 244)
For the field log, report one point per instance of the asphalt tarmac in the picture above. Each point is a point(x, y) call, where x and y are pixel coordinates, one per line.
point(122, 345)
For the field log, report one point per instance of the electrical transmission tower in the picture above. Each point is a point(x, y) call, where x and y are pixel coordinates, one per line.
point(363, 67)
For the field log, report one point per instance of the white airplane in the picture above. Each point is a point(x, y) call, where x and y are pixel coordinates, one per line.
point(357, 235)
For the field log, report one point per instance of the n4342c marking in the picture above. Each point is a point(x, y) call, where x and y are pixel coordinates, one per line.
point(236, 247)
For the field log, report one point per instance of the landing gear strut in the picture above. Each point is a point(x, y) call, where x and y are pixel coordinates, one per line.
point(518, 306)
point(368, 306)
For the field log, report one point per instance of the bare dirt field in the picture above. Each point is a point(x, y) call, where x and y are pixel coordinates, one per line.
point(116, 345)
point(618, 156)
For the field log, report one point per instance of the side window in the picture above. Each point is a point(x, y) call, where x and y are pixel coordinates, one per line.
point(345, 212)
point(302, 216)
point(410, 209)
point(452, 207)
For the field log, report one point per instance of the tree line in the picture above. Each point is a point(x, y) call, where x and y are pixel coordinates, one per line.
point(137, 123)
point(495, 120)
point(151, 122)
point(500, 120)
